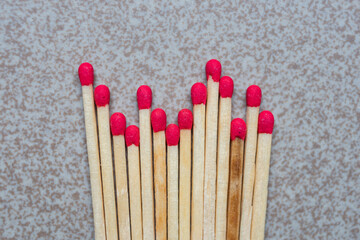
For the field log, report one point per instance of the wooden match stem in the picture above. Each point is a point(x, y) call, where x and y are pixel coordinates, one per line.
point(173, 192)
point(147, 187)
point(235, 185)
point(107, 173)
point(222, 184)
point(135, 192)
point(94, 162)
point(122, 195)
point(185, 186)
point(261, 186)
point(210, 159)
point(197, 207)
point(252, 114)
point(160, 184)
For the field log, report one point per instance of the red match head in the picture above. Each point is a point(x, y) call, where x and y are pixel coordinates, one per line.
point(185, 119)
point(86, 74)
point(198, 93)
point(253, 96)
point(213, 69)
point(158, 120)
point(144, 97)
point(102, 95)
point(266, 122)
point(132, 135)
point(117, 124)
point(226, 87)
point(238, 129)
point(172, 135)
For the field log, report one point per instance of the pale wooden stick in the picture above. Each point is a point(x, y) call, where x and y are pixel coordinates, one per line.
point(158, 122)
point(226, 91)
point(132, 143)
point(210, 149)
point(266, 124)
point(172, 139)
point(102, 97)
point(144, 97)
point(253, 99)
point(185, 119)
point(198, 96)
point(118, 125)
point(238, 133)
point(86, 79)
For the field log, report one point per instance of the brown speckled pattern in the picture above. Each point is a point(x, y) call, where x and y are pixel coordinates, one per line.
point(305, 56)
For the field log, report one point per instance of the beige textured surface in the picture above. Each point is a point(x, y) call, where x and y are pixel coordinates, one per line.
point(303, 54)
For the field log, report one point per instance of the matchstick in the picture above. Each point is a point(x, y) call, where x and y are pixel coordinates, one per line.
point(102, 98)
point(86, 75)
point(226, 87)
point(144, 99)
point(198, 97)
point(213, 72)
point(117, 126)
point(172, 140)
point(185, 121)
point(266, 125)
point(158, 122)
point(238, 133)
point(132, 138)
point(253, 100)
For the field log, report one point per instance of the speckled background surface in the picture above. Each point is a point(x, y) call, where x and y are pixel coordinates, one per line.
point(305, 57)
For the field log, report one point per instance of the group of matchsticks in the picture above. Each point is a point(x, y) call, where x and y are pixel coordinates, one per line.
point(215, 187)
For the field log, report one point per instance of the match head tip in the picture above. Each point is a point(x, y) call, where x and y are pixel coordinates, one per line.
point(226, 87)
point(266, 122)
point(158, 120)
point(213, 69)
point(238, 129)
point(117, 124)
point(86, 74)
point(102, 95)
point(132, 136)
point(144, 97)
point(198, 93)
point(185, 119)
point(253, 96)
point(172, 135)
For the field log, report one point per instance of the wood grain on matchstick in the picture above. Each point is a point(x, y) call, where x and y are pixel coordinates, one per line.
point(185, 120)
point(158, 122)
point(198, 97)
point(172, 140)
point(226, 91)
point(132, 142)
point(102, 98)
point(117, 126)
point(238, 133)
point(86, 75)
point(144, 99)
point(253, 100)
point(266, 124)
point(213, 72)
